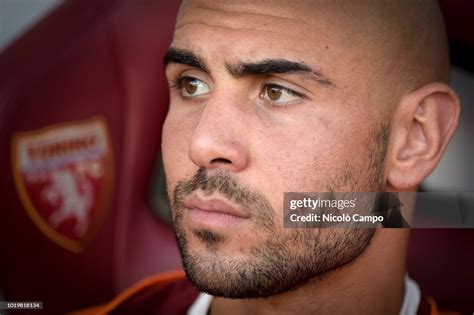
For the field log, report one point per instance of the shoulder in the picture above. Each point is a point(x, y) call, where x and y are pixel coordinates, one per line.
point(168, 293)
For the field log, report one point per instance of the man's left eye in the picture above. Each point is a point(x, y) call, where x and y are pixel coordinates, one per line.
point(278, 94)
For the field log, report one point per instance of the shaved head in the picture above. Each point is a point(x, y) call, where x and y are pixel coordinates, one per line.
point(409, 40)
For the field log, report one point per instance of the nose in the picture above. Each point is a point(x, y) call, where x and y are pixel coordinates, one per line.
point(218, 141)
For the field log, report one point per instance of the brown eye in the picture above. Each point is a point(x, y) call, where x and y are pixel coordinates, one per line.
point(190, 86)
point(279, 95)
point(274, 92)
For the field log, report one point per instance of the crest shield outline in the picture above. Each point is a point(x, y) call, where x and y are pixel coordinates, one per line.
point(63, 174)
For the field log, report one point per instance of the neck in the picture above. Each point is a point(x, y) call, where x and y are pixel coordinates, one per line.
point(373, 283)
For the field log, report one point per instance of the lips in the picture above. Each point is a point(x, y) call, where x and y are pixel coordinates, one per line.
point(214, 205)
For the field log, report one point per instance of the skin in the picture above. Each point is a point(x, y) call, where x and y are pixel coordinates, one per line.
point(321, 138)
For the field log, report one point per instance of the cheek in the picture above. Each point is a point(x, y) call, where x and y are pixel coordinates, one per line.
point(174, 145)
point(297, 160)
point(305, 158)
point(287, 163)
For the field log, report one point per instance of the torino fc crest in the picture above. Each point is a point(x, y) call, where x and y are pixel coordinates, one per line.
point(63, 175)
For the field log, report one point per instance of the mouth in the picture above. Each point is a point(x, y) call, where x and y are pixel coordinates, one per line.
point(213, 212)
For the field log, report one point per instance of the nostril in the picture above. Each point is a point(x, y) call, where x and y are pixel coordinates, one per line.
point(221, 160)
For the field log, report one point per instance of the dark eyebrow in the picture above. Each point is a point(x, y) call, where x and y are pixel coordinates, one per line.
point(186, 57)
point(264, 67)
point(271, 66)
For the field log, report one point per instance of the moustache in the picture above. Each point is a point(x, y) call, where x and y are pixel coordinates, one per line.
point(222, 182)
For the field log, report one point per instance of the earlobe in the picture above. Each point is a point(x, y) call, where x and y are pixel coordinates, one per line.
point(422, 126)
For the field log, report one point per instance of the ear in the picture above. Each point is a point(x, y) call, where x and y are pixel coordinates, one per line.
point(422, 126)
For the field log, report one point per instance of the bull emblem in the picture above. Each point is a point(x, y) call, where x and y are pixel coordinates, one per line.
point(71, 198)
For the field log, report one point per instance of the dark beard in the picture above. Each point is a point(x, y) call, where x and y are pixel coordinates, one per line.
point(288, 258)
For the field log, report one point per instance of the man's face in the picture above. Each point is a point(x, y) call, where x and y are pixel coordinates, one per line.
point(266, 100)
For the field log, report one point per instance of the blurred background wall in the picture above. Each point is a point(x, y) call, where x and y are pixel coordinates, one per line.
point(16, 16)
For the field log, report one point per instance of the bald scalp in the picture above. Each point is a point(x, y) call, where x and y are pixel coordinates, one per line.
point(413, 40)
point(406, 41)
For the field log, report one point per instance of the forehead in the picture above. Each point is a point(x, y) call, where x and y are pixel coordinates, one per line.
point(267, 29)
point(262, 17)
point(265, 14)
